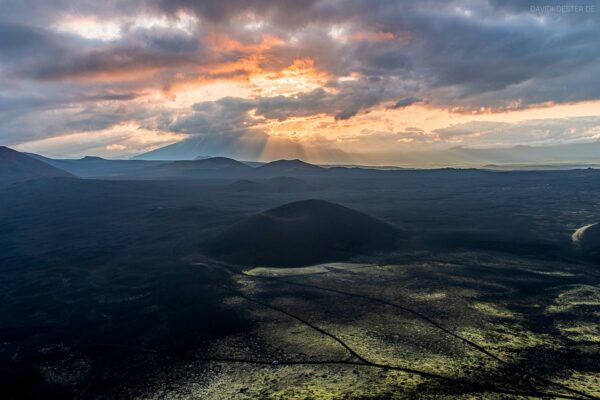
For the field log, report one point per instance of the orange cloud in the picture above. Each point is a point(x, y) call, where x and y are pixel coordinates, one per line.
point(222, 43)
point(377, 36)
point(300, 76)
point(249, 63)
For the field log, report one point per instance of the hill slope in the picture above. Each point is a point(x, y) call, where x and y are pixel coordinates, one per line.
point(288, 168)
point(303, 233)
point(215, 167)
point(16, 166)
point(97, 167)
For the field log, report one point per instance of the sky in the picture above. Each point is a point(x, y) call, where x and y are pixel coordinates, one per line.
point(327, 79)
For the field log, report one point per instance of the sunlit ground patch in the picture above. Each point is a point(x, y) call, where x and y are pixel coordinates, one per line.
point(495, 310)
point(580, 331)
point(401, 343)
point(575, 296)
point(355, 383)
point(430, 296)
point(478, 307)
point(508, 341)
point(549, 273)
point(587, 382)
point(299, 342)
point(320, 382)
point(314, 269)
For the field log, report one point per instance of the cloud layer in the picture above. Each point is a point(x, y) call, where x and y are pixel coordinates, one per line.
point(224, 68)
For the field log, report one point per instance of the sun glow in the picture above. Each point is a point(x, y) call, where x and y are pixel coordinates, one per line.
point(124, 138)
point(93, 28)
point(300, 77)
point(90, 28)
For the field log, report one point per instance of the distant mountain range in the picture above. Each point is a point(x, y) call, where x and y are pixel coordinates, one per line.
point(288, 168)
point(248, 148)
point(556, 156)
point(216, 167)
point(96, 167)
point(222, 167)
point(519, 157)
point(16, 166)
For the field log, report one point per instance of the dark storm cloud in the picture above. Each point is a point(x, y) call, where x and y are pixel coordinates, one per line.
point(408, 101)
point(460, 54)
point(488, 58)
point(115, 60)
point(225, 115)
point(289, 13)
point(474, 52)
point(45, 12)
point(230, 113)
point(44, 54)
point(343, 104)
point(17, 39)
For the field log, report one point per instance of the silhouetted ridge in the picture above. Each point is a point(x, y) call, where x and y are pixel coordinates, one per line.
point(211, 167)
point(217, 161)
point(207, 163)
point(93, 158)
point(303, 233)
point(288, 167)
point(16, 166)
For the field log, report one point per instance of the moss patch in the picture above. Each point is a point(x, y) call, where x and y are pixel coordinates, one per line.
point(574, 296)
point(495, 310)
point(580, 331)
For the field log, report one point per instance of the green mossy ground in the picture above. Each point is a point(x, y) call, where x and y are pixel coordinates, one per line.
point(542, 331)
